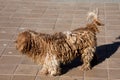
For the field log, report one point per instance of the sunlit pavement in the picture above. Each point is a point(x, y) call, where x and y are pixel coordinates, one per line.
point(51, 16)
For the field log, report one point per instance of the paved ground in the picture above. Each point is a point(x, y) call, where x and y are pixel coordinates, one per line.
point(58, 15)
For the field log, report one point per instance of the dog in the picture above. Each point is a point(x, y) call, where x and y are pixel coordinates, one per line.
point(51, 50)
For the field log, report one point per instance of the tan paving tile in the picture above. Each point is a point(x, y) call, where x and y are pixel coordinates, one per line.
point(76, 72)
point(101, 40)
point(113, 16)
point(26, 70)
point(21, 29)
point(16, 20)
point(10, 60)
point(65, 78)
point(114, 63)
point(6, 36)
point(82, 6)
point(12, 43)
point(11, 51)
point(27, 60)
point(62, 27)
point(102, 65)
point(45, 26)
point(80, 14)
point(113, 27)
point(34, 16)
point(10, 25)
point(112, 7)
point(5, 77)
point(46, 15)
point(4, 43)
point(7, 69)
point(8, 30)
point(97, 73)
point(4, 19)
point(41, 20)
point(65, 15)
point(45, 31)
point(1, 51)
point(113, 22)
point(114, 74)
point(23, 77)
point(70, 78)
point(63, 20)
point(112, 33)
point(112, 39)
point(99, 5)
point(43, 77)
point(95, 78)
point(38, 10)
point(51, 11)
point(116, 55)
point(20, 15)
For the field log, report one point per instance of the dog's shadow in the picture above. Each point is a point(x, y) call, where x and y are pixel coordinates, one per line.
point(102, 52)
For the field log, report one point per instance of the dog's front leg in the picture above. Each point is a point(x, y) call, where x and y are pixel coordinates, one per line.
point(54, 67)
point(44, 70)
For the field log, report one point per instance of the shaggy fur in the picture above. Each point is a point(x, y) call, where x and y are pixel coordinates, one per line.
point(50, 50)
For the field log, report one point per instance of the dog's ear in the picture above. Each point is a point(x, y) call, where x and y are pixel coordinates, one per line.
point(23, 42)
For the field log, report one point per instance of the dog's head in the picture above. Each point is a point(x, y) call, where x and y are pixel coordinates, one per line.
point(23, 42)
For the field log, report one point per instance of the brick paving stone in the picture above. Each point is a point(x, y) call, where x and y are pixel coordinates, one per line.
point(12, 43)
point(10, 25)
point(10, 59)
point(113, 27)
point(95, 78)
point(23, 77)
point(76, 72)
point(116, 55)
point(43, 77)
point(45, 31)
point(27, 60)
point(67, 78)
point(51, 16)
point(7, 69)
point(62, 27)
point(8, 30)
point(112, 33)
point(11, 51)
point(114, 74)
point(26, 70)
point(5, 77)
point(4, 43)
point(6, 36)
point(97, 73)
point(101, 65)
point(21, 29)
point(1, 51)
point(114, 63)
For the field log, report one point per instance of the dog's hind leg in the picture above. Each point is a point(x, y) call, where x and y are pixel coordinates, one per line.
point(87, 57)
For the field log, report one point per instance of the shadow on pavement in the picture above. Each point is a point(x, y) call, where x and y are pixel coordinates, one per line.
point(102, 52)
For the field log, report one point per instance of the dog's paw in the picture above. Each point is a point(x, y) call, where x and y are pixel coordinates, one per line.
point(84, 68)
point(44, 71)
point(54, 73)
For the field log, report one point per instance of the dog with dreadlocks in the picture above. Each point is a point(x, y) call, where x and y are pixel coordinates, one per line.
point(51, 50)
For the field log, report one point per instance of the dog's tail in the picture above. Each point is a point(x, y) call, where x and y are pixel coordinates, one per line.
point(93, 21)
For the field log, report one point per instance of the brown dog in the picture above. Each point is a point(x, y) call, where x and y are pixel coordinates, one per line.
point(50, 50)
